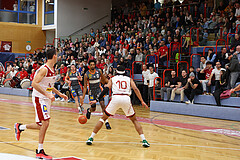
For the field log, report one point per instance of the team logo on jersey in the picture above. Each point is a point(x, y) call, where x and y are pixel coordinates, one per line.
point(44, 108)
point(49, 89)
point(90, 76)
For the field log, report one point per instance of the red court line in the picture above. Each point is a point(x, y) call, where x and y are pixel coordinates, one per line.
point(145, 120)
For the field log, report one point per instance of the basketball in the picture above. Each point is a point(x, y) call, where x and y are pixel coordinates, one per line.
point(82, 119)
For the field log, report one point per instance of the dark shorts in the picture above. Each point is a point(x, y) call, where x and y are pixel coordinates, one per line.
point(76, 91)
point(93, 93)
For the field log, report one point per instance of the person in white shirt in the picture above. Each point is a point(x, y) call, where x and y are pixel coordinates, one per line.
point(216, 72)
point(12, 73)
point(15, 6)
point(151, 76)
point(145, 74)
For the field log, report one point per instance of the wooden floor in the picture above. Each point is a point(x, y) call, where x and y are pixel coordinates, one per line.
point(66, 137)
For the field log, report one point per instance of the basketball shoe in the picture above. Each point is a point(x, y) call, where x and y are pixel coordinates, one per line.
point(89, 141)
point(108, 125)
point(145, 144)
point(88, 114)
point(42, 155)
point(17, 131)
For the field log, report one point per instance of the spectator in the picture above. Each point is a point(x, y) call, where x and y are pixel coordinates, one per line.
point(173, 82)
point(215, 72)
point(115, 63)
point(23, 74)
point(2, 75)
point(237, 53)
point(203, 65)
point(151, 76)
point(63, 69)
point(222, 57)
point(233, 67)
point(9, 67)
point(12, 73)
point(211, 56)
point(192, 88)
point(205, 83)
point(180, 89)
point(145, 74)
point(222, 87)
point(163, 51)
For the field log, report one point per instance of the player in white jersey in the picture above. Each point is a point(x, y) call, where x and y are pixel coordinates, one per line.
point(121, 90)
point(42, 97)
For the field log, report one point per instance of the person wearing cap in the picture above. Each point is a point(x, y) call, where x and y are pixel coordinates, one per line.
point(207, 70)
point(192, 88)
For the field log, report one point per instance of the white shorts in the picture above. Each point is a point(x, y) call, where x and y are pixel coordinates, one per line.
point(120, 101)
point(42, 109)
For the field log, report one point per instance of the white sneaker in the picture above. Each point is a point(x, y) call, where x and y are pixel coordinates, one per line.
point(192, 101)
point(57, 99)
point(188, 102)
point(62, 100)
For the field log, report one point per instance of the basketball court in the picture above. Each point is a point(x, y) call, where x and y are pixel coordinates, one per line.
point(170, 136)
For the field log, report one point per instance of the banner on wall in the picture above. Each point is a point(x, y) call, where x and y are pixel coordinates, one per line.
point(6, 46)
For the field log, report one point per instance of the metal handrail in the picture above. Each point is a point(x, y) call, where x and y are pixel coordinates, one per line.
point(88, 25)
point(154, 98)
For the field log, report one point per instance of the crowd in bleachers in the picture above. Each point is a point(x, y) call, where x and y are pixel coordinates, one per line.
point(139, 30)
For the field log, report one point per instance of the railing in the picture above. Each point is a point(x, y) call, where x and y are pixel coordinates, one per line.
point(156, 60)
point(154, 86)
point(191, 58)
point(181, 62)
point(220, 40)
point(133, 70)
point(204, 50)
point(197, 35)
point(164, 72)
point(228, 38)
point(88, 25)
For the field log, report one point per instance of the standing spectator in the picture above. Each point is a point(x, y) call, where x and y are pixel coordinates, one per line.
point(216, 72)
point(172, 82)
point(192, 88)
point(139, 57)
point(151, 76)
point(207, 70)
point(163, 51)
point(222, 87)
point(222, 57)
point(180, 89)
point(9, 67)
point(15, 6)
point(145, 74)
point(233, 67)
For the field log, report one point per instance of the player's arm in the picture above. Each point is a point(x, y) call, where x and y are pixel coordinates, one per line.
point(85, 85)
point(67, 79)
point(80, 78)
point(235, 89)
point(59, 93)
point(136, 90)
point(35, 84)
point(104, 79)
point(105, 90)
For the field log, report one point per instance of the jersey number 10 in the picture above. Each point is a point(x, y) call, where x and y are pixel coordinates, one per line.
point(122, 84)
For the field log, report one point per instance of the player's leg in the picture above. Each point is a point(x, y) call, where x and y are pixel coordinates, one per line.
point(97, 128)
point(103, 108)
point(139, 129)
point(91, 97)
point(21, 127)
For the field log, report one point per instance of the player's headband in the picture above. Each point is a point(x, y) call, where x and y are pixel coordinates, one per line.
point(120, 72)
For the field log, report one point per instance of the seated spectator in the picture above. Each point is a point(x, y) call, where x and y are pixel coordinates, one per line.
point(237, 53)
point(12, 73)
point(151, 76)
point(205, 38)
point(115, 63)
point(172, 83)
point(207, 71)
point(8, 67)
point(63, 69)
point(234, 70)
point(180, 89)
point(2, 75)
point(222, 57)
point(191, 69)
point(203, 62)
point(222, 87)
point(192, 88)
point(210, 56)
point(23, 74)
point(152, 58)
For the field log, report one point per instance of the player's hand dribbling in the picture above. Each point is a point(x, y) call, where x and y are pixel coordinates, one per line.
point(64, 97)
point(144, 105)
point(92, 102)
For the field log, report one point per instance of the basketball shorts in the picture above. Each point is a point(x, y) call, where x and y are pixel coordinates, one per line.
point(93, 93)
point(76, 91)
point(42, 109)
point(120, 101)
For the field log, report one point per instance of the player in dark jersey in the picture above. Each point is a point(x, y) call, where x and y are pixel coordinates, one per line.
point(72, 78)
point(92, 78)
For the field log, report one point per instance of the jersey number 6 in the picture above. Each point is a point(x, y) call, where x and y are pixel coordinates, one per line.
point(122, 84)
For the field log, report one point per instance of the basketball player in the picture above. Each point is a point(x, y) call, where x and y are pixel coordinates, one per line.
point(92, 76)
point(43, 86)
point(121, 89)
point(72, 78)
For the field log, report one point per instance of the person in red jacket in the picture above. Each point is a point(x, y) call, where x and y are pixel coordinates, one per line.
point(110, 56)
point(163, 51)
point(101, 65)
point(63, 69)
point(2, 75)
point(23, 74)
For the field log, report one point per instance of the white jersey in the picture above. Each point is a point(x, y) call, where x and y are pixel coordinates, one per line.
point(47, 83)
point(121, 85)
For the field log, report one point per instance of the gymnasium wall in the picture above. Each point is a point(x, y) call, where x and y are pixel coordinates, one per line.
point(24, 34)
point(72, 16)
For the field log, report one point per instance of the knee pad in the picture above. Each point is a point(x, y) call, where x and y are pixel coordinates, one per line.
point(93, 106)
point(74, 93)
